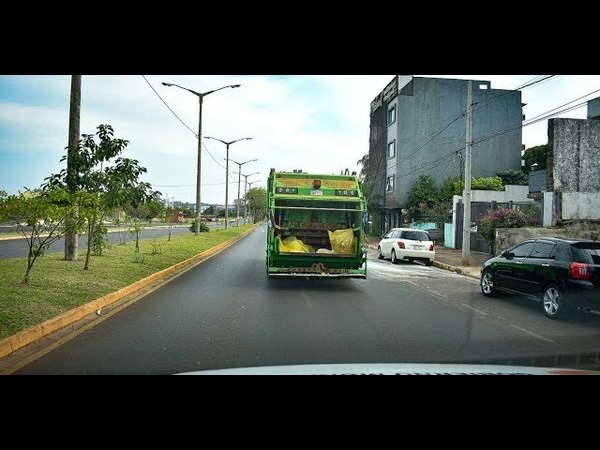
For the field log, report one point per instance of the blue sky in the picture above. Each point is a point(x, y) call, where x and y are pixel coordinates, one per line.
point(315, 123)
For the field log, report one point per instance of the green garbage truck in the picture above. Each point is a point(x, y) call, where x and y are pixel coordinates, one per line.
point(315, 225)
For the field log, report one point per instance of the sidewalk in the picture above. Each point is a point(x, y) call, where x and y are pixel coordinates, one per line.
point(449, 258)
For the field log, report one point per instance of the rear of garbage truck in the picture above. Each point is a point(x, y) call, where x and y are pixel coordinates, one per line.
point(315, 226)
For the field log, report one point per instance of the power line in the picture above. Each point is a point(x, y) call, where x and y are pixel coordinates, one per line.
point(174, 113)
point(545, 115)
point(190, 185)
point(527, 84)
point(184, 124)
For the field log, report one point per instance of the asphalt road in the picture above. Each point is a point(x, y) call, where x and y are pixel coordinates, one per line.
point(226, 313)
point(17, 248)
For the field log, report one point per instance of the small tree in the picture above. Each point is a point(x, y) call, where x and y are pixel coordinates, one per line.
point(40, 219)
point(105, 180)
point(136, 227)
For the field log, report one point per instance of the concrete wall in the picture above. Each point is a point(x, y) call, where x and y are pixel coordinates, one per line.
point(575, 145)
point(448, 235)
point(537, 181)
point(547, 205)
point(593, 109)
point(426, 105)
point(510, 193)
point(581, 205)
point(507, 237)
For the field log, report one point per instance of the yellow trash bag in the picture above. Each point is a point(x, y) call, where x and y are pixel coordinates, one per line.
point(291, 245)
point(342, 241)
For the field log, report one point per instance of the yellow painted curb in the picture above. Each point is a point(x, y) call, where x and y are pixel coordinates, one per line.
point(22, 338)
point(458, 270)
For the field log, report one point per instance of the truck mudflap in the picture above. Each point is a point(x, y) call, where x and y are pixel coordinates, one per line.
point(317, 270)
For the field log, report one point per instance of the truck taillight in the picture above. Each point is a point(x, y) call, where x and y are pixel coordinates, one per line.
point(401, 244)
point(431, 247)
point(580, 271)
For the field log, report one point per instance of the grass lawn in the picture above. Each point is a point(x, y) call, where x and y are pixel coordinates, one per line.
point(56, 285)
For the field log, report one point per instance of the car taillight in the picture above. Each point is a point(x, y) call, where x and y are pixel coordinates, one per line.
point(431, 247)
point(401, 244)
point(580, 271)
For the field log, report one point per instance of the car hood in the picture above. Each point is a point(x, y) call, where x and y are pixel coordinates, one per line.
point(393, 369)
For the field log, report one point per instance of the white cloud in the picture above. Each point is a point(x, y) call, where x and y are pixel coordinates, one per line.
point(316, 123)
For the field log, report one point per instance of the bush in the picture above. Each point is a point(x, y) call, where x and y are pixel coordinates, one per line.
point(500, 218)
point(203, 227)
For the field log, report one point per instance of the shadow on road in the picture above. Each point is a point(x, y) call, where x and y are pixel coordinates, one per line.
point(576, 316)
point(315, 284)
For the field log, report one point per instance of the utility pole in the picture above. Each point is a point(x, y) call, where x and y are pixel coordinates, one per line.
point(71, 236)
point(198, 218)
point(466, 244)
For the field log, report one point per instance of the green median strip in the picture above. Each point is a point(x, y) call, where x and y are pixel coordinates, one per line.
point(57, 286)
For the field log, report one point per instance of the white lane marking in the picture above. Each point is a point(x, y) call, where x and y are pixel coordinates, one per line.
point(475, 309)
point(531, 333)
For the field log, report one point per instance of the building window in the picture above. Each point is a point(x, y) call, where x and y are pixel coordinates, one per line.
point(389, 183)
point(391, 115)
point(392, 149)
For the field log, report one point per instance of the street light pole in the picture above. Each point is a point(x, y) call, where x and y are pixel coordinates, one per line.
point(227, 144)
point(199, 165)
point(246, 194)
point(239, 183)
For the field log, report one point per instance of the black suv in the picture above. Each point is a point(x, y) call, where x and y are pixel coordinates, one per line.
point(562, 273)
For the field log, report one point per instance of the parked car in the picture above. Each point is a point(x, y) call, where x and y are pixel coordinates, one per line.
point(407, 244)
point(560, 273)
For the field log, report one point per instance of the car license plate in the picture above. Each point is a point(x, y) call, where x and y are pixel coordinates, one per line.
point(316, 192)
point(418, 247)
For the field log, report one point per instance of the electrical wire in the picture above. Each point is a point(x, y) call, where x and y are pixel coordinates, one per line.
point(184, 124)
point(162, 100)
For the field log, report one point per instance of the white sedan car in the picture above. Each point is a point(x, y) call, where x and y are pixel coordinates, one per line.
point(407, 244)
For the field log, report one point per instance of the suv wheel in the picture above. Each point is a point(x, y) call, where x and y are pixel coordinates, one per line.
point(553, 302)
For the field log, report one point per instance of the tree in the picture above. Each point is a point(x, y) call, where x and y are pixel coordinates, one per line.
point(487, 184)
point(422, 196)
point(257, 203)
point(481, 184)
point(40, 218)
point(537, 154)
point(511, 176)
point(105, 180)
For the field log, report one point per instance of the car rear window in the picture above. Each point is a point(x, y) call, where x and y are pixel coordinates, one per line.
point(589, 254)
point(415, 236)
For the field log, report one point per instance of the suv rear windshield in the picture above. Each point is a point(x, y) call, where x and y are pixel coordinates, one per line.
point(586, 253)
point(415, 236)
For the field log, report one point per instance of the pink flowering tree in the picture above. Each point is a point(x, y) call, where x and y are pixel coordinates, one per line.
point(501, 218)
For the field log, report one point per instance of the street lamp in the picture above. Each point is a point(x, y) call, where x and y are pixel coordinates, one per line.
point(246, 194)
point(198, 175)
point(250, 183)
point(239, 182)
point(227, 172)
